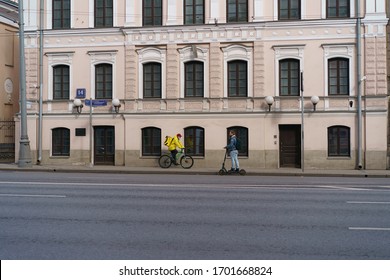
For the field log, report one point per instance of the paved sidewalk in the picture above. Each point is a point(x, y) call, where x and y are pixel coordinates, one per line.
point(200, 171)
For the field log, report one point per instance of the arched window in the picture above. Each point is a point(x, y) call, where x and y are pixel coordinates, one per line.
point(61, 81)
point(194, 140)
point(242, 134)
point(339, 144)
point(151, 141)
point(237, 78)
point(60, 141)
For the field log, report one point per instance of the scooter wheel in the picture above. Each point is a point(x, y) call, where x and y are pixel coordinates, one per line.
point(242, 172)
point(221, 172)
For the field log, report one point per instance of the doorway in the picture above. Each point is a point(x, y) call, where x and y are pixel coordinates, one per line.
point(290, 146)
point(104, 145)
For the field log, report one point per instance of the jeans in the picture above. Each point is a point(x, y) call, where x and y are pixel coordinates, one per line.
point(234, 157)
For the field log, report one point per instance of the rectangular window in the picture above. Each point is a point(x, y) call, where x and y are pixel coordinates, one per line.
point(152, 13)
point(237, 79)
point(61, 14)
point(152, 80)
point(104, 13)
point(60, 142)
point(237, 10)
point(289, 9)
point(61, 82)
point(289, 77)
point(193, 11)
point(338, 76)
point(194, 79)
point(103, 81)
point(337, 8)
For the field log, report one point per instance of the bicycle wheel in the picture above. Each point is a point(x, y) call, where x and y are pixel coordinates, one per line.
point(165, 161)
point(186, 162)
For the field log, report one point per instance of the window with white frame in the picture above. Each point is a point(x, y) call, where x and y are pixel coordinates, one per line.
point(61, 80)
point(241, 54)
point(193, 58)
point(290, 9)
point(103, 74)
point(59, 75)
point(338, 64)
point(337, 9)
point(288, 66)
point(151, 55)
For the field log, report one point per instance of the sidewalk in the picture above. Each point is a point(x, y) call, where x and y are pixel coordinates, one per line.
point(196, 171)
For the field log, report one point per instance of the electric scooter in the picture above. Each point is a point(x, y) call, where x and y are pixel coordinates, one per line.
point(224, 171)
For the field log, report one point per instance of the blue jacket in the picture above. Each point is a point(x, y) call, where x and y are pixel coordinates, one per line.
point(232, 145)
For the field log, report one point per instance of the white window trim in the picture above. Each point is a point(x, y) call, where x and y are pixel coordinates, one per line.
point(303, 9)
point(100, 57)
point(147, 55)
point(186, 55)
point(54, 59)
point(287, 52)
point(49, 14)
point(238, 52)
point(341, 51)
point(91, 13)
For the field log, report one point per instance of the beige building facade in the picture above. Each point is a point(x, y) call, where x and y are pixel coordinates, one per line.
point(9, 60)
point(9, 79)
point(201, 68)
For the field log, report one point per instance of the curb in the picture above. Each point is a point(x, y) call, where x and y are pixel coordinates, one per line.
point(293, 173)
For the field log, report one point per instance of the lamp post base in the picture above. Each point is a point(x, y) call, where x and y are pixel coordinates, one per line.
point(25, 154)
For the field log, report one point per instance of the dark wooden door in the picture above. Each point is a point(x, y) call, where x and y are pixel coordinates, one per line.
point(290, 145)
point(104, 145)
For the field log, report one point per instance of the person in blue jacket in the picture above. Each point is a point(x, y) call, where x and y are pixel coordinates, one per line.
point(233, 152)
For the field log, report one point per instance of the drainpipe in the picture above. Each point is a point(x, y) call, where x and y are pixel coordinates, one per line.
point(359, 86)
point(41, 23)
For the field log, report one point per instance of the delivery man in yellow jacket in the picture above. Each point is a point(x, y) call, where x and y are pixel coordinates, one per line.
point(175, 143)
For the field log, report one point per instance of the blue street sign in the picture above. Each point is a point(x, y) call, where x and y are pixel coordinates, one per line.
point(81, 93)
point(96, 103)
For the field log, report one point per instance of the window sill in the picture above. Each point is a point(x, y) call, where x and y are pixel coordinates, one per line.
point(339, 158)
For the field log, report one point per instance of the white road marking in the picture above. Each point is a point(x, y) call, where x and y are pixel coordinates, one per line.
point(184, 185)
point(369, 228)
point(32, 195)
point(368, 202)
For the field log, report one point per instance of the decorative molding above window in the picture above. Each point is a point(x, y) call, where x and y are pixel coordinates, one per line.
point(103, 56)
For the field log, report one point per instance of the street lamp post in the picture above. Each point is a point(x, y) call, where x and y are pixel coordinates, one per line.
point(302, 127)
point(24, 150)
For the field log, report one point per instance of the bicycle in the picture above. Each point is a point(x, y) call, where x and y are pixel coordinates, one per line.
point(166, 160)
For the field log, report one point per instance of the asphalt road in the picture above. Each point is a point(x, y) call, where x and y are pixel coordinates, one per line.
point(114, 216)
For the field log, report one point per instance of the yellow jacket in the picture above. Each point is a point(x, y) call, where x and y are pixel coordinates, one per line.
point(175, 143)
